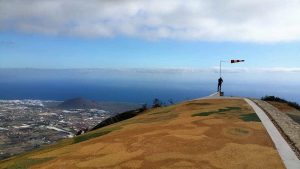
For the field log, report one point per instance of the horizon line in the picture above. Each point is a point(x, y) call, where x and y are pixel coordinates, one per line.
point(213, 69)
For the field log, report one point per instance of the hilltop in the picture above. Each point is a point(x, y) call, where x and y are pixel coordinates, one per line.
point(206, 133)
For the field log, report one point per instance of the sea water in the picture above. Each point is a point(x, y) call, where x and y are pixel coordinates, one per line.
point(141, 86)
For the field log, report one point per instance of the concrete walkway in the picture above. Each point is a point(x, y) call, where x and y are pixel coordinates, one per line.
point(287, 155)
point(214, 95)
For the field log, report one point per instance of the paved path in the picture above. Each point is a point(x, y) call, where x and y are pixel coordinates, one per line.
point(287, 155)
point(217, 94)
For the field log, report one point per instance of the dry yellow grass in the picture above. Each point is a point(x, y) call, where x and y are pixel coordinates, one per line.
point(194, 134)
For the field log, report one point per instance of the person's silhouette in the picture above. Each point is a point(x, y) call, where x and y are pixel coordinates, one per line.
point(220, 81)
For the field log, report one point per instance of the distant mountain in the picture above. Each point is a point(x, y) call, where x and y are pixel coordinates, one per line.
point(113, 107)
point(79, 103)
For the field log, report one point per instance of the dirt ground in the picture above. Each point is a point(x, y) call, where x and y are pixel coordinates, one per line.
point(198, 134)
point(293, 113)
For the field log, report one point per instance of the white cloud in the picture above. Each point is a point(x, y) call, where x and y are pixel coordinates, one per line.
point(272, 70)
point(217, 20)
point(261, 70)
point(194, 70)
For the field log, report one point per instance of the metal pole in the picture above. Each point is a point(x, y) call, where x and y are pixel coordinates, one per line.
point(220, 68)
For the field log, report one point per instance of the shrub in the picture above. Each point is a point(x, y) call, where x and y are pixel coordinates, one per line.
point(278, 99)
point(157, 103)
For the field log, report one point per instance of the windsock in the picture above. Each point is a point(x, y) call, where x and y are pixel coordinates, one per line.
point(236, 61)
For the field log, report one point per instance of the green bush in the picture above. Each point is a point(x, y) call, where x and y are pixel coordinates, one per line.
point(88, 136)
point(278, 99)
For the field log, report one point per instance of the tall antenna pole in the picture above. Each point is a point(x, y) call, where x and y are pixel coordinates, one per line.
point(220, 68)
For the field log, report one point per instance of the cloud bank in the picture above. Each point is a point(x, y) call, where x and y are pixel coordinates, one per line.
point(166, 70)
point(218, 20)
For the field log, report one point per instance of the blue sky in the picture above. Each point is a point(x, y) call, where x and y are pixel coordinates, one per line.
point(150, 34)
point(130, 44)
point(42, 51)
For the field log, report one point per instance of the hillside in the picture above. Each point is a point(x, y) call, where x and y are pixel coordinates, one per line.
point(207, 133)
point(290, 111)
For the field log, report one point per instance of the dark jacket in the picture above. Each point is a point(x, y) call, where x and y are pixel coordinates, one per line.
point(220, 81)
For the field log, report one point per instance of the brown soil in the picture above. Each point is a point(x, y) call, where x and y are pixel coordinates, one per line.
point(175, 139)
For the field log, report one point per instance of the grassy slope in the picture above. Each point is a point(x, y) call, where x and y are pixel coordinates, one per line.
point(190, 134)
point(285, 108)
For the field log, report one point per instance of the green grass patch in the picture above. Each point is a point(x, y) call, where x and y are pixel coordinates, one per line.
point(219, 111)
point(93, 134)
point(198, 104)
point(250, 117)
point(85, 137)
point(160, 112)
point(158, 118)
point(204, 113)
point(26, 163)
point(233, 108)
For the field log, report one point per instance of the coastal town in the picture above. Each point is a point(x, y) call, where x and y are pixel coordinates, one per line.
point(29, 124)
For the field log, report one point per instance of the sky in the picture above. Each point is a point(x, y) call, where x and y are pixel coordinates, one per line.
point(109, 45)
point(171, 34)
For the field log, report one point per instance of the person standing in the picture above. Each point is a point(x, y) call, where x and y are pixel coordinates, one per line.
point(220, 81)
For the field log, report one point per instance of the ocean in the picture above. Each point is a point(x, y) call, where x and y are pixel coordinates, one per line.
point(139, 85)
